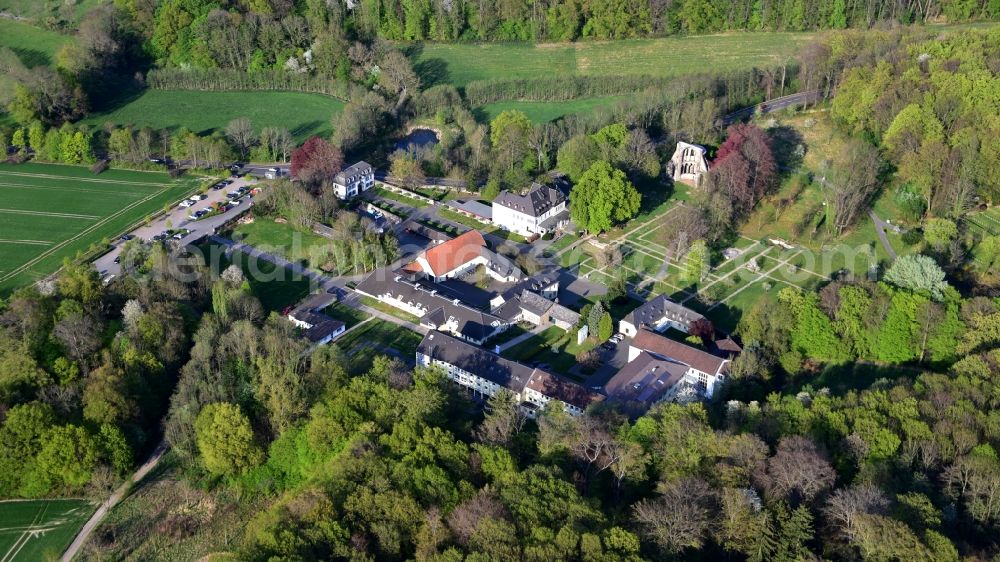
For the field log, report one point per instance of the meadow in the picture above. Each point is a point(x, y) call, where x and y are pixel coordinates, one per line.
point(304, 115)
point(462, 63)
point(52, 212)
point(39, 529)
point(544, 111)
point(34, 46)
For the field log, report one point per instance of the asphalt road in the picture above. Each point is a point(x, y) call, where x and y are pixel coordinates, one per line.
point(178, 218)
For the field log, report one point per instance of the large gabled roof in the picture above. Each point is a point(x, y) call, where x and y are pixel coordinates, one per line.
point(538, 201)
point(677, 351)
point(450, 255)
point(559, 388)
point(476, 360)
point(650, 313)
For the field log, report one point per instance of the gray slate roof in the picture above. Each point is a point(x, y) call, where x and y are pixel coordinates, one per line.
point(490, 366)
point(353, 172)
point(645, 379)
point(650, 313)
point(472, 323)
point(475, 207)
point(537, 202)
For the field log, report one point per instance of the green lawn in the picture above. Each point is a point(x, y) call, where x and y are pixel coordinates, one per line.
point(33, 45)
point(554, 347)
point(349, 316)
point(275, 287)
point(39, 529)
point(51, 212)
point(462, 63)
point(284, 239)
point(544, 111)
point(400, 198)
point(39, 10)
point(378, 337)
point(304, 115)
point(389, 309)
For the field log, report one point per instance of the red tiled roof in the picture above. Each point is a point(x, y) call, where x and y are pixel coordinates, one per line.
point(455, 252)
point(660, 345)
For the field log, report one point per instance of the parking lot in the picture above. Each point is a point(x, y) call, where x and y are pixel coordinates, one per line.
point(179, 219)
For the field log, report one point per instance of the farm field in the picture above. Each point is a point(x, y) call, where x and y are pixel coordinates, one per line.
point(304, 115)
point(51, 212)
point(39, 529)
point(460, 64)
point(545, 111)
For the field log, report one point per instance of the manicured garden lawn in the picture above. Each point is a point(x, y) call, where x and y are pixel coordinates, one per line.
point(51, 212)
point(40, 529)
point(291, 242)
point(388, 309)
point(378, 337)
point(554, 347)
point(544, 111)
point(400, 198)
point(304, 115)
point(276, 287)
point(462, 63)
point(348, 315)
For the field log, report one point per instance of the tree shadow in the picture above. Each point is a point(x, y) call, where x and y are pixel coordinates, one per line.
point(785, 143)
point(307, 129)
point(432, 72)
point(32, 57)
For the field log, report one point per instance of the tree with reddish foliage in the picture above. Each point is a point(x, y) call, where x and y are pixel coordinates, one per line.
point(316, 162)
point(703, 328)
point(744, 167)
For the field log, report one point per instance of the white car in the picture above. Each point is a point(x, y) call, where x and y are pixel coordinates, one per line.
point(186, 203)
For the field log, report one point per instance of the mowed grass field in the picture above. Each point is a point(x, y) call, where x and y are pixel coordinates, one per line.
point(460, 64)
point(545, 111)
point(39, 529)
point(304, 115)
point(34, 46)
point(49, 212)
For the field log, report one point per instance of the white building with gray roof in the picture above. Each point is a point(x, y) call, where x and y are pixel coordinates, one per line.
point(540, 211)
point(658, 314)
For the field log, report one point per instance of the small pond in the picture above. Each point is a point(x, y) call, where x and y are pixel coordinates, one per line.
point(418, 140)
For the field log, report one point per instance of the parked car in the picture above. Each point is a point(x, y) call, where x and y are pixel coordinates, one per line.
point(186, 203)
point(118, 259)
point(199, 197)
point(126, 237)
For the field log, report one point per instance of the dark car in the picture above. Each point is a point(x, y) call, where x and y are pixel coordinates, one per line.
point(126, 237)
point(118, 259)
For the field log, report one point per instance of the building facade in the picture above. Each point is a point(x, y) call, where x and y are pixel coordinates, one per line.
point(688, 164)
point(658, 314)
point(540, 211)
point(484, 374)
point(353, 180)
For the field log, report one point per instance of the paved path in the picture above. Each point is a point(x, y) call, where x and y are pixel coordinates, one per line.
point(880, 227)
point(117, 496)
point(523, 337)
